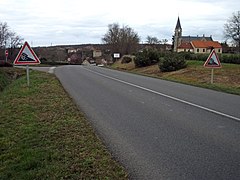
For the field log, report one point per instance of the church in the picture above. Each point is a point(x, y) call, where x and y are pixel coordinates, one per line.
point(195, 44)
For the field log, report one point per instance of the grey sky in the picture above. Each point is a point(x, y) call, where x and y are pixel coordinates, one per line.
point(46, 22)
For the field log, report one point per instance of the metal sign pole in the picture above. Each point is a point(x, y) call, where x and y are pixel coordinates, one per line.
point(212, 77)
point(28, 81)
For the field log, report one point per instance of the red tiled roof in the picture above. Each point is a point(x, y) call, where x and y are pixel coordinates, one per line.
point(185, 45)
point(206, 44)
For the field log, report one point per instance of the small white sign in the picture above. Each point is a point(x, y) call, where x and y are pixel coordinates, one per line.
point(116, 55)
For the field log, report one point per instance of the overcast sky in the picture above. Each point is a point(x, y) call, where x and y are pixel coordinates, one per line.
point(55, 22)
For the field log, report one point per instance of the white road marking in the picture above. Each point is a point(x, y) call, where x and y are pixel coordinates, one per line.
point(167, 96)
point(51, 70)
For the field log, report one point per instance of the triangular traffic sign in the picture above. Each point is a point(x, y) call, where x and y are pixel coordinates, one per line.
point(26, 56)
point(212, 60)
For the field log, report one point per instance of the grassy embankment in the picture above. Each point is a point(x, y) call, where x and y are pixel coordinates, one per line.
point(226, 79)
point(44, 136)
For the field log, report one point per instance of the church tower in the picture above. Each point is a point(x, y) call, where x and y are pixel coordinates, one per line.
point(177, 35)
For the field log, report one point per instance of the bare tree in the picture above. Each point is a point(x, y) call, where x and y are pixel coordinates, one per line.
point(112, 37)
point(152, 40)
point(15, 40)
point(164, 41)
point(4, 34)
point(232, 29)
point(123, 40)
point(8, 38)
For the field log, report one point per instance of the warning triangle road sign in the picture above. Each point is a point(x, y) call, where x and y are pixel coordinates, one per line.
point(26, 56)
point(212, 60)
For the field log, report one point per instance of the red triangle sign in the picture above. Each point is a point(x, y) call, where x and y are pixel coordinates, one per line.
point(26, 56)
point(212, 61)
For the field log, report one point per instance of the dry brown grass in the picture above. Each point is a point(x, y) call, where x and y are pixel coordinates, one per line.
point(226, 79)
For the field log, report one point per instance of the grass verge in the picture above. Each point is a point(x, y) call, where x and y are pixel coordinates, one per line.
point(226, 79)
point(44, 136)
point(8, 74)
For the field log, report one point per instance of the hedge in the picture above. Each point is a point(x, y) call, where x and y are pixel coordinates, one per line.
point(224, 58)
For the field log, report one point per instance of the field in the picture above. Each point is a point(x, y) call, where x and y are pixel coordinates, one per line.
point(226, 79)
point(43, 135)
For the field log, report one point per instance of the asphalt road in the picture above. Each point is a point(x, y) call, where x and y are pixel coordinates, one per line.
point(44, 69)
point(159, 129)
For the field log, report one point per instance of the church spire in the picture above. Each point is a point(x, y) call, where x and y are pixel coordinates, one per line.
point(177, 35)
point(178, 26)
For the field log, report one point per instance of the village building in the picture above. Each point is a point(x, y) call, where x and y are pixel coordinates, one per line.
point(195, 44)
point(97, 53)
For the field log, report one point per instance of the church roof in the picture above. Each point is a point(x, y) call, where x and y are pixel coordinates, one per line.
point(195, 38)
point(185, 45)
point(206, 44)
point(178, 26)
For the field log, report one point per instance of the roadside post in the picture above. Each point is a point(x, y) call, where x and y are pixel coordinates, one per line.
point(6, 54)
point(212, 62)
point(26, 56)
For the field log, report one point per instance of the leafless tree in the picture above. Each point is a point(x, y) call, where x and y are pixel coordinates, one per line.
point(164, 41)
point(152, 40)
point(8, 38)
point(15, 40)
point(4, 34)
point(232, 29)
point(121, 39)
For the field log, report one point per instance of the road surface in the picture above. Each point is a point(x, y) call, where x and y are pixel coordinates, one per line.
point(39, 68)
point(159, 129)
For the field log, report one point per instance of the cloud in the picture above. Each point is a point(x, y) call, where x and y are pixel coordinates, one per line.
point(73, 21)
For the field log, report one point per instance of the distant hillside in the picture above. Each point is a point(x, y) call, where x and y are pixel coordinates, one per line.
point(62, 53)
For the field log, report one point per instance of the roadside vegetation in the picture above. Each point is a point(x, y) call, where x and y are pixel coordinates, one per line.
point(7, 75)
point(43, 135)
point(226, 79)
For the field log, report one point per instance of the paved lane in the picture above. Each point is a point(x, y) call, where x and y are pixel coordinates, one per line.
point(159, 129)
point(39, 68)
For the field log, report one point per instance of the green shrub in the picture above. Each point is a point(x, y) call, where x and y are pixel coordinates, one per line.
point(172, 62)
point(224, 58)
point(153, 56)
point(146, 57)
point(230, 58)
point(142, 59)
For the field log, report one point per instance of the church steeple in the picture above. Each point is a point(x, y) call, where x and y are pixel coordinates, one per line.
point(177, 35)
point(178, 26)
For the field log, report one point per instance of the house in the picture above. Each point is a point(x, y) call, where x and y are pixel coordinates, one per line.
point(206, 46)
point(72, 50)
point(97, 53)
point(195, 44)
point(185, 47)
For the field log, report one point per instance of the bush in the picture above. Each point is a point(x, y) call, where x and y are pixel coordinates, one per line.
point(126, 59)
point(192, 56)
point(5, 64)
point(43, 60)
point(153, 56)
point(172, 62)
point(142, 59)
point(146, 57)
point(230, 58)
point(224, 58)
